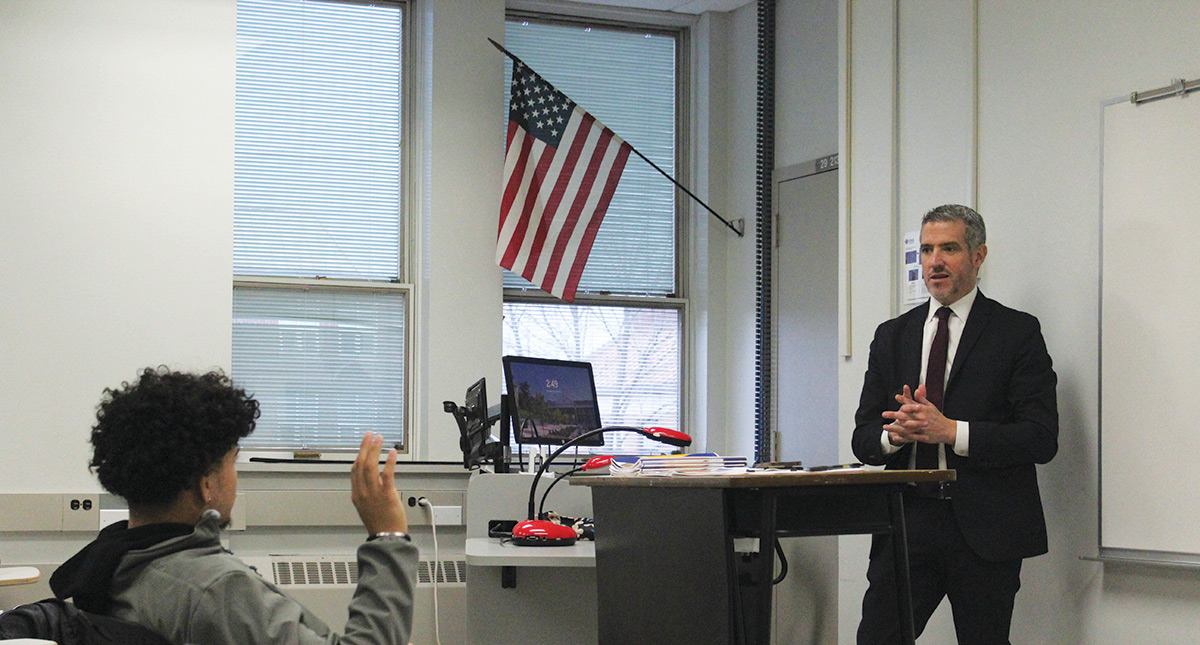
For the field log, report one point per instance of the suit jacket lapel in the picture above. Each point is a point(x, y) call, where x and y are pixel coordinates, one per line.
point(910, 357)
point(981, 315)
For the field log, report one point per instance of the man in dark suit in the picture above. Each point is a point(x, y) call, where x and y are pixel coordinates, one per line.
point(993, 416)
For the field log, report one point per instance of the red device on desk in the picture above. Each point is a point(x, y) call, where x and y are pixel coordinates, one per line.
point(535, 532)
point(543, 533)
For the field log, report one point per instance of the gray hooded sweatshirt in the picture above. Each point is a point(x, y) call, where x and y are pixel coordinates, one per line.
point(191, 590)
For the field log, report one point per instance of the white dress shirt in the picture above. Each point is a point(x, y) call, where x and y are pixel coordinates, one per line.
point(959, 310)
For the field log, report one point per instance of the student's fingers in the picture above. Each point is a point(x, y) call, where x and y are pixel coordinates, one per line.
point(364, 451)
point(364, 475)
point(389, 469)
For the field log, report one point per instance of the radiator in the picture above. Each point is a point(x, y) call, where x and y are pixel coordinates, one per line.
point(325, 584)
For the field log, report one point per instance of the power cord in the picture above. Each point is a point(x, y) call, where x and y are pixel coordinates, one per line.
point(783, 564)
point(437, 565)
point(542, 504)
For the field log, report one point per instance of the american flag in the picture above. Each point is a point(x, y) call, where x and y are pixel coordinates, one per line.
point(561, 167)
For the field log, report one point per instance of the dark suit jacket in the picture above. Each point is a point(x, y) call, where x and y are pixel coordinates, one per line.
point(1003, 383)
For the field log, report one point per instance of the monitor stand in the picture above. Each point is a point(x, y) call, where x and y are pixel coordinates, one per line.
point(536, 454)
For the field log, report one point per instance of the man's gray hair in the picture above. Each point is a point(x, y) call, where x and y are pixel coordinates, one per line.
point(976, 232)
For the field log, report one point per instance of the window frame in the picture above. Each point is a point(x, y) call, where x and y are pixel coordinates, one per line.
point(679, 28)
point(406, 245)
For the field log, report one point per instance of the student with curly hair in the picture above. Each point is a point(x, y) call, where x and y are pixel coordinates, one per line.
point(167, 444)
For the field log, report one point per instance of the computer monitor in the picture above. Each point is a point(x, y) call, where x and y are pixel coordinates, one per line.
point(552, 401)
point(475, 413)
point(474, 425)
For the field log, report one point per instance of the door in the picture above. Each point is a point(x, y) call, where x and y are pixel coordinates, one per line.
point(805, 304)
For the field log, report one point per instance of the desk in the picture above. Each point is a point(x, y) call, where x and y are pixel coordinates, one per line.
point(19, 575)
point(665, 566)
point(520, 594)
point(491, 552)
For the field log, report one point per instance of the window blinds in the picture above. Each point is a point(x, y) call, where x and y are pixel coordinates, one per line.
point(324, 365)
point(317, 140)
point(626, 79)
point(317, 194)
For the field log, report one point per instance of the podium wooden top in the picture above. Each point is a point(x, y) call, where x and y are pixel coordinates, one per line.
point(775, 479)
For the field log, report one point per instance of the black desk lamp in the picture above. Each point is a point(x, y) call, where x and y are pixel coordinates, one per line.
point(535, 532)
point(595, 463)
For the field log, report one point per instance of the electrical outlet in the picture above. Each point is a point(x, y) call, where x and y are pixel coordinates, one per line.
point(81, 512)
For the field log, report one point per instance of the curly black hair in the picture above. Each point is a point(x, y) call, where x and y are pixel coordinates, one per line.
point(158, 437)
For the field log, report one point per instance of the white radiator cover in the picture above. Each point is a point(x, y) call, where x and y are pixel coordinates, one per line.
point(325, 584)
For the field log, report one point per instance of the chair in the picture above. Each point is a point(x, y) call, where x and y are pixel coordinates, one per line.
point(65, 624)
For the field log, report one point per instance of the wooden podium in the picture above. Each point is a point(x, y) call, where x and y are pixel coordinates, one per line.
point(665, 565)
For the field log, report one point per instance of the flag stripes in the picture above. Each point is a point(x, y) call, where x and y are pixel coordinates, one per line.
point(558, 185)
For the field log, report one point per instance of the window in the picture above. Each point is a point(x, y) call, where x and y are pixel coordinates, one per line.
point(319, 308)
point(628, 317)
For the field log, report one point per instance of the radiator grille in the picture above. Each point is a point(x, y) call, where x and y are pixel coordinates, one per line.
point(330, 571)
point(451, 572)
point(316, 572)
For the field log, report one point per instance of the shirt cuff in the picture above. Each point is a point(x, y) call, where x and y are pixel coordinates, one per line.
point(888, 448)
point(962, 441)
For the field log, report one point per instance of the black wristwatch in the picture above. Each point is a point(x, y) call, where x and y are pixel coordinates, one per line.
point(389, 534)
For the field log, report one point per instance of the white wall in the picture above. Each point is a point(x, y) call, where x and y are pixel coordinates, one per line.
point(459, 336)
point(116, 194)
point(806, 64)
point(1043, 71)
point(738, 271)
point(116, 122)
point(706, 340)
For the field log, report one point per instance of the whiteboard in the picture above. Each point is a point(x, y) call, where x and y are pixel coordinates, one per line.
point(1150, 327)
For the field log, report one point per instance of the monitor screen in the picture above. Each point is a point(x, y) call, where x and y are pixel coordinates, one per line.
point(552, 401)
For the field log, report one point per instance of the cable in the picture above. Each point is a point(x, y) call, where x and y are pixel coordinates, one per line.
point(437, 565)
point(542, 505)
point(783, 564)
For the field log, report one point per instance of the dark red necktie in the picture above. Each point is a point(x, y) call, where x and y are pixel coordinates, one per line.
point(935, 384)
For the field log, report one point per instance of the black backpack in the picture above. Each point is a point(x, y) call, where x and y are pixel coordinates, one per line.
point(66, 624)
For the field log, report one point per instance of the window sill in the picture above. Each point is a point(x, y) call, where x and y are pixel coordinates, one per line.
point(339, 466)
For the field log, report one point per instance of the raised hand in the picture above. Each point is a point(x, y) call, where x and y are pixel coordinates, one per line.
point(374, 492)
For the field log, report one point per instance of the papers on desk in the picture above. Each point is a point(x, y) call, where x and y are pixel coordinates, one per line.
point(706, 463)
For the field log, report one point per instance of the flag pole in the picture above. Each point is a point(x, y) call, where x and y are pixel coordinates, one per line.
point(739, 229)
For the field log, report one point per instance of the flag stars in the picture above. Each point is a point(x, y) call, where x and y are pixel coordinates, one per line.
point(537, 106)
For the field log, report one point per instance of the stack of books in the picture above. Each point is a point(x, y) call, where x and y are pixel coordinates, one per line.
point(706, 463)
